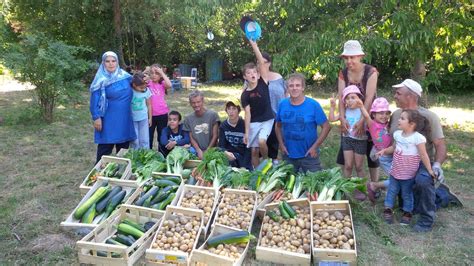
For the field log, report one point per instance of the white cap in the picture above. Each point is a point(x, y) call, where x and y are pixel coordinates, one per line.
point(411, 85)
point(352, 48)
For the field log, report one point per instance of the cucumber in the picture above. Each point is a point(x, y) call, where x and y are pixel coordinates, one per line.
point(273, 216)
point(98, 194)
point(129, 230)
point(162, 205)
point(100, 207)
point(160, 197)
point(283, 212)
point(151, 193)
point(230, 238)
point(174, 179)
point(88, 217)
point(164, 183)
point(289, 209)
point(134, 224)
point(113, 203)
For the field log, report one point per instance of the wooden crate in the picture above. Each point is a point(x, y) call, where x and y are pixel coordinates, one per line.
point(95, 241)
point(72, 223)
point(106, 159)
point(191, 164)
point(166, 257)
point(333, 255)
point(187, 188)
point(203, 257)
point(156, 175)
point(279, 255)
point(261, 205)
point(228, 191)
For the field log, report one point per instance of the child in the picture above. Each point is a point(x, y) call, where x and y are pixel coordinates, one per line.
point(231, 137)
point(377, 122)
point(259, 115)
point(173, 135)
point(141, 111)
point(354, 146)
point(408, 149)
point(158, 85)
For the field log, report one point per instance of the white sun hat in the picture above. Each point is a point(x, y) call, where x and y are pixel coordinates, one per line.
point(352, 48)
point(411, 85)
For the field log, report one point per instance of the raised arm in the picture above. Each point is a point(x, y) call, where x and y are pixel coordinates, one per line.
point(332, 110)
point(264, 71)
point(364, 112)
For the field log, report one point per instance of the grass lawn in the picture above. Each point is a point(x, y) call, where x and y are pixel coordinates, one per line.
point(41, 167)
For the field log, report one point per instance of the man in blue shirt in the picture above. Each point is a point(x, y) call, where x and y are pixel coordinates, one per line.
point(297, 124)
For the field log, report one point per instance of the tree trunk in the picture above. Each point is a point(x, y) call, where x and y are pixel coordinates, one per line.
point(118, 32)
point(418, 73)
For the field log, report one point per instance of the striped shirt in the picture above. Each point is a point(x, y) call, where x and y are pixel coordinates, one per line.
point(406, 158)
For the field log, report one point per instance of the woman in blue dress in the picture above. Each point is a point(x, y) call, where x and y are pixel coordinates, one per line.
point(111, 96)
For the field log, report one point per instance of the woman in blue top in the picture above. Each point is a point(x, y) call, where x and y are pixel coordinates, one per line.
point(111, 96)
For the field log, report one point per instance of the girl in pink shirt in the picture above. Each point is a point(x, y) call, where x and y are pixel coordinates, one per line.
point(158, 84)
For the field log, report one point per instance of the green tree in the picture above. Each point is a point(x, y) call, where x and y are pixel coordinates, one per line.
point(53, 67)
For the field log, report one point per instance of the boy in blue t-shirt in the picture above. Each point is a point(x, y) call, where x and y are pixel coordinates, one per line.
point(173, 135)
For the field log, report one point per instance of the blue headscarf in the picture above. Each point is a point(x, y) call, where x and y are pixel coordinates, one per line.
point(103, 78)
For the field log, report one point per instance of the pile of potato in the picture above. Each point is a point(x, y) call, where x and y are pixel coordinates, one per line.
point(235, 210)
point(202, 200)
point(332, 230)
point(232, 251)
point(292, 235)
point(178, 233)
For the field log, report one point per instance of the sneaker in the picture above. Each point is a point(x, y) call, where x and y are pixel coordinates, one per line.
point(453, 198)
point(370, 193)
point(406, 218)
point(388, 215)
point(421, 229)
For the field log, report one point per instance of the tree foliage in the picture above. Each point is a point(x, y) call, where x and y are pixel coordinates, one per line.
point(400, 37)
point(52, 66)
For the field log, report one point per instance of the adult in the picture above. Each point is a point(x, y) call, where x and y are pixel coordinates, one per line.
point(297, 124)
point(202, 124)
point(111, 96)
point(158, 84)
point(365, 77)
point(407, 96)
point(277, 90)
point(231, 137)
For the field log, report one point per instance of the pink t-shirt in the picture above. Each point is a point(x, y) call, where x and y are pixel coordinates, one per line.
point(158, 103)
point(406, 158)
point(380, 135)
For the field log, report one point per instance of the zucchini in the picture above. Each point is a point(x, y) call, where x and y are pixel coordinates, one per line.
point(134, 224)
point(164, 183)
point(289, 209)
point(88, 217)
point(100, 207)
point(283, 212)
point(162, 205)
point(120, 170)
point(230, 238)
point(160, 197)
point(129, 230)
point(114, 202)
point(104, 254)
point(273, 216)
point(170, 188)
point(114, 242)
point(150, 194)
point(148, 225)
point(175, 179)
point(123, 239)
point(98, 194)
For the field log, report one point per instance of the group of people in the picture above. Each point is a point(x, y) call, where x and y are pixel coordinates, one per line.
point(409, 146)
